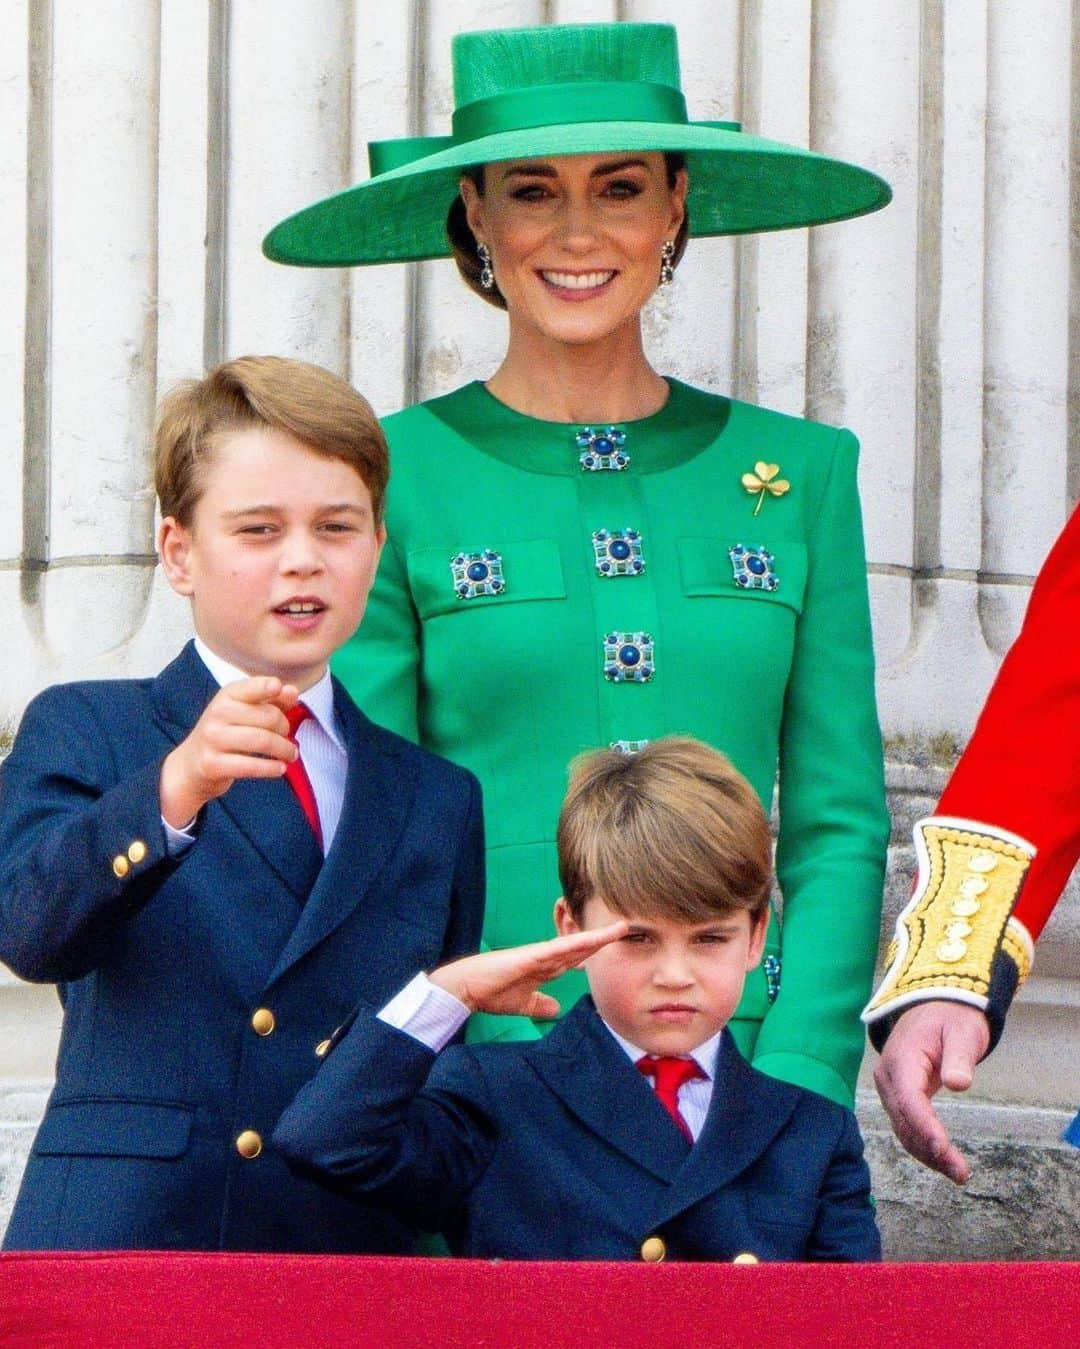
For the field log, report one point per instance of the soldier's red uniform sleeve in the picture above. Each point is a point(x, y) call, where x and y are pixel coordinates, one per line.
point(995, 856)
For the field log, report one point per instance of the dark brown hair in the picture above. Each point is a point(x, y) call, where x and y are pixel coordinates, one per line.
point(463, 241)
point(673, 831)
point(321, 410)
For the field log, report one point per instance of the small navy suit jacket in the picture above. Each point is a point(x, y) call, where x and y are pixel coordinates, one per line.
point(558, 1149)
point(162, 962)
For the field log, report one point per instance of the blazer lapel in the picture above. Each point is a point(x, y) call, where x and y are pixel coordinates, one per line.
point(746, 1113)
point(379, 789)
point(266, 812)
point(586, 1068)
point(180, 693)
point(271, 818)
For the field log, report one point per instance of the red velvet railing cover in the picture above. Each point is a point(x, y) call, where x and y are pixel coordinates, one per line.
point(266, 1301)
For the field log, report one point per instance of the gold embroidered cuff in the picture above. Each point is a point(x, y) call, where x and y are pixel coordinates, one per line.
point(958, 918)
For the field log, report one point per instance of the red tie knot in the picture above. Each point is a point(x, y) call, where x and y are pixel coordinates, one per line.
point(670, 1073)
point(296, 714)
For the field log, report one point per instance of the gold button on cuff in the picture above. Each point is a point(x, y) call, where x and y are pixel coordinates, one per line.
point(120, 865)
point(746, 1258)
point(137, 851)
point(653, 1250)
point(263, 1021)
point(322, 1049)
point(249, 1144)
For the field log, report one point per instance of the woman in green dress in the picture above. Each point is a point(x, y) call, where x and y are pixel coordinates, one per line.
point(584, 552)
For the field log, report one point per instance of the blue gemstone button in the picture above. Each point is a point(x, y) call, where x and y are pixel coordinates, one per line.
point(476, 574)
point(628, 657)
point(752, 568)
point(618, 552)
point(771, 967)
point(602, 449)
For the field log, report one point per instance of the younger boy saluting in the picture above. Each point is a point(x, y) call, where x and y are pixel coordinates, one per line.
point(217, 863)
point(634, 1130)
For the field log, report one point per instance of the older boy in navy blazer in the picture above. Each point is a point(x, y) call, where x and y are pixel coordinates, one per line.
point(634, 1130)
point(214, 865)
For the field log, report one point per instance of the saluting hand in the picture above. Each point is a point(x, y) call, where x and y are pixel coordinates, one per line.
point(243, 733)
point(507, 981)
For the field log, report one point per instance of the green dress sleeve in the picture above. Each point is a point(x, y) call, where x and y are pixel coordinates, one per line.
point(833, 819)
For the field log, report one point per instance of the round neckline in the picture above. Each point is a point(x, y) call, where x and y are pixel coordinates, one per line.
point(688, 423)
point(622, 423)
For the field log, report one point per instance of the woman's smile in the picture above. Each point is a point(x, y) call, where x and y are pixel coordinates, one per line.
point(580, 283)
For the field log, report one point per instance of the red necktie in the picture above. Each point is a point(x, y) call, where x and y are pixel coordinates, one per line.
point(296, 774)
point(670, 1074)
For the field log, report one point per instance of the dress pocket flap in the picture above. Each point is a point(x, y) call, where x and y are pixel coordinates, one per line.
point(115, 1128)
point(526, 570)
point(709, 568)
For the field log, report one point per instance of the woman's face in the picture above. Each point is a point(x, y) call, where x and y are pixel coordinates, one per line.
point(575, 239)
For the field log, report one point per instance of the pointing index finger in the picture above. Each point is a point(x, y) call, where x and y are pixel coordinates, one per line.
point(256, 689)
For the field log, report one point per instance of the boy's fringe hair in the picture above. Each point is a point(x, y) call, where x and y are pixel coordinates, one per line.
point(673, 831)
point(320, 410)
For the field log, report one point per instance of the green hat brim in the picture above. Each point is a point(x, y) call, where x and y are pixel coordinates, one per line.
point(739, 184)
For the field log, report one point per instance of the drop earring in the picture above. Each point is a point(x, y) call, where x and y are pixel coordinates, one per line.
point(667, 267)
point(487, 276)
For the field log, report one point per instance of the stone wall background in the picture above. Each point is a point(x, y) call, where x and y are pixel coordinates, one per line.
point(144, 151)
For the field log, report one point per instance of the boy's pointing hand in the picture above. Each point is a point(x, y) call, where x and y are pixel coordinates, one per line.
point(243, 733)
point(507, 981)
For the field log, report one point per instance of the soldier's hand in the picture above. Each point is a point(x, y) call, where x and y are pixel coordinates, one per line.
point(933, 1044)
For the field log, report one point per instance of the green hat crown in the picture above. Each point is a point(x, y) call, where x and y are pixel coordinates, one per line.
point(566, 89)
point(490, 63)
point(516, 77)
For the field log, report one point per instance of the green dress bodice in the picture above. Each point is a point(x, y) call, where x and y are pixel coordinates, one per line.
point(496, 636)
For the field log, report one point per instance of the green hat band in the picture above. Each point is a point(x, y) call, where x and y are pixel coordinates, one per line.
point(560, 104)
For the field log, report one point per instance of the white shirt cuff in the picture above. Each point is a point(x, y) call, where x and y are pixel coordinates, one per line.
point(179, 840)
point(426, 1012)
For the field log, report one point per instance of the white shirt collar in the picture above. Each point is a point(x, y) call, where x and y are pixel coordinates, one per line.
point(319, 699)
point(705, 1055)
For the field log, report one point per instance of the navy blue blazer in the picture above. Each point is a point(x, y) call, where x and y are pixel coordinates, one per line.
point(162, 963)
point(558, 1149)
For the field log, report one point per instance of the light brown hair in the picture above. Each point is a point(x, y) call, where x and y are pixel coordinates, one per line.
point(672, 831)
point(463, 241)
point(321, 410)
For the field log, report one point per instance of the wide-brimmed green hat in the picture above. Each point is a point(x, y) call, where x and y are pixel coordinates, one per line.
point(569, 89)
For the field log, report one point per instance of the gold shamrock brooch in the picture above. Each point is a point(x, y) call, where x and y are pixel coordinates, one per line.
point(764, 479)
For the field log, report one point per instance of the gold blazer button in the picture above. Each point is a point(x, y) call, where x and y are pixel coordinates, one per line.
point(263, 1021)
point(746, 1258)
point(653, 1250)
point(120, 865)
point(323, 1048)
point(249, 1144)
point(137, 851)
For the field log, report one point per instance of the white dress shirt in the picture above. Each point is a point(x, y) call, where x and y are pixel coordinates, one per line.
point(322, 749)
